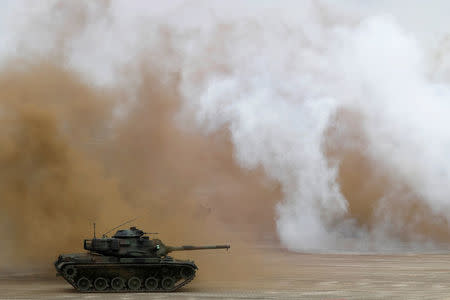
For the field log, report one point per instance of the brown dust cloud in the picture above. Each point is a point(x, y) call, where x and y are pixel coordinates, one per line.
point(66, 163)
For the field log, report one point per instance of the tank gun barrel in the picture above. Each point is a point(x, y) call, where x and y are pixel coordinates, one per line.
point(186, 247)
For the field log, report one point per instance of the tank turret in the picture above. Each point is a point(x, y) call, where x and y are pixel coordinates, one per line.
point(129, 260)
point(133, 243)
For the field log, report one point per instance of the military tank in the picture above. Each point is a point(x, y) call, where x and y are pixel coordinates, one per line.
point(129, 261)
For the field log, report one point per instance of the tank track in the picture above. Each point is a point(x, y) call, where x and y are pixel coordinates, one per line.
point(103, 278)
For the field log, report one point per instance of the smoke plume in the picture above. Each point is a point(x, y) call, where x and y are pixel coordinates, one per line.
point(342, 111)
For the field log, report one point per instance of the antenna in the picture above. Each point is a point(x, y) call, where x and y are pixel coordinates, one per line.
point(104, 235)
point(93, 223)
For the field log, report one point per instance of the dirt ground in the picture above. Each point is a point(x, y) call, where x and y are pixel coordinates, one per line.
point(285, 276)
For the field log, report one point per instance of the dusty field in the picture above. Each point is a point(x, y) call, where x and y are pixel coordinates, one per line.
point(287, 276)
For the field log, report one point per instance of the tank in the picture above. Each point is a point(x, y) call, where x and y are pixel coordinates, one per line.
point(129, 261)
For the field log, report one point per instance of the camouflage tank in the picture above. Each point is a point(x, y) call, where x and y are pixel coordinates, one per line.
point(129, 261)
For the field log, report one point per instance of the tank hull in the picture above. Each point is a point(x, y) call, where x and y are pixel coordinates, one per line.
point(90, 273)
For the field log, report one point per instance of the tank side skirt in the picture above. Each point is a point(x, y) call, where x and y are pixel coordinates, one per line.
point(122, 268)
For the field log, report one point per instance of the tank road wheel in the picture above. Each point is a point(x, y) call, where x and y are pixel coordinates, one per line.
point(100, 284)
point(186, 272)
point(151, 283)
point(83, 284)
point(134, 283)
point(70, 272)
point(117, 283)
point(167, 283)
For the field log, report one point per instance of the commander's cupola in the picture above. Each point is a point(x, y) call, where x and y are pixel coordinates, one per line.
point(133, 232)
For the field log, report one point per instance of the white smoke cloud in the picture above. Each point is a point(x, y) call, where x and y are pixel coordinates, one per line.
point(277, 74)
point(284, 83)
